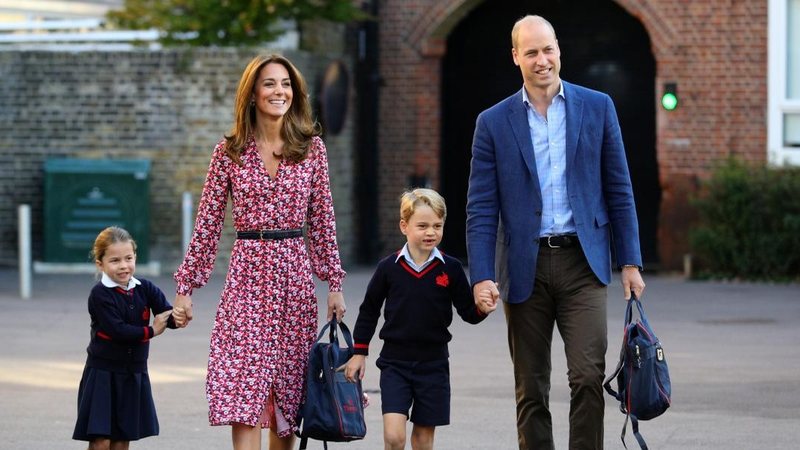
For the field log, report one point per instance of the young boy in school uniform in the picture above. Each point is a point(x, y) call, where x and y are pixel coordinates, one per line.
point(419, 285)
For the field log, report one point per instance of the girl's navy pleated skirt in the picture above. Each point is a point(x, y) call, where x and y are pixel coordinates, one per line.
point(115, 405)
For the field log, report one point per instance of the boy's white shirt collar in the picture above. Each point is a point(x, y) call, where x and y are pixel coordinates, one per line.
point(435, 253)
point(108, 282)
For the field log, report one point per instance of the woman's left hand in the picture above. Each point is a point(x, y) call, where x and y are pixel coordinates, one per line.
point(336, 306)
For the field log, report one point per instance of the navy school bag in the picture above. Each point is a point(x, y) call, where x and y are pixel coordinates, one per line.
point(643, 387)
point(332, 410)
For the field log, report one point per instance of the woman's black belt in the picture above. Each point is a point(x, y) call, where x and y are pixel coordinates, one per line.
point(270, 234)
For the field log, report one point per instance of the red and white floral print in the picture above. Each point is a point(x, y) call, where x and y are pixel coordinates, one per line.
point(266, 320)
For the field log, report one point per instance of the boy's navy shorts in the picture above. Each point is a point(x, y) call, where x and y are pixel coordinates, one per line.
point(422, 386)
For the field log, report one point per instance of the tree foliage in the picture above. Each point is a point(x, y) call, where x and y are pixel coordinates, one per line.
point(226, 22)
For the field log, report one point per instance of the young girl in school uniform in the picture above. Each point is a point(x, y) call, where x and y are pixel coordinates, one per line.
point(115, 403)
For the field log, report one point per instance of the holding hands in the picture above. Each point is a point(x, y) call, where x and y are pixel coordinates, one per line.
point(486, 296)
point(182, 310)
point(486, 301)
point(160, 322)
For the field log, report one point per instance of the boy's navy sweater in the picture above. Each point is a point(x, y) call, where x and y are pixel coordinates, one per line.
point(419, 308)
point(120, 328)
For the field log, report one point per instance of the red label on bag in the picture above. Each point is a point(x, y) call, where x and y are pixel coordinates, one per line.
point(350, 407)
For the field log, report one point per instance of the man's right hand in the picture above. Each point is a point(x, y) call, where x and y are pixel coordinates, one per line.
point(182, 310)
point(485, 285)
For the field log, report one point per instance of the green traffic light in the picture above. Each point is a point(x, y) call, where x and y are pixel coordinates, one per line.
point(669, 101)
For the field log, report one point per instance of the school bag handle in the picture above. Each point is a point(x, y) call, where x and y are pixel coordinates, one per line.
point(333, 336)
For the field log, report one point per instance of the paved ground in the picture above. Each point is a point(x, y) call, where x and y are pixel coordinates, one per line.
point(733, 351)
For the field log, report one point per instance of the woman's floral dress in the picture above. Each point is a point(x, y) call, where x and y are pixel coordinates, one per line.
point(266, 320)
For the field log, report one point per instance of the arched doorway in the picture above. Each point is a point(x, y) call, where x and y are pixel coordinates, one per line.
point(602, 47)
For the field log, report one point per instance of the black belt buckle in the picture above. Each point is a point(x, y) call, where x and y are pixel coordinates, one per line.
point(269, 234)
point(559, 240)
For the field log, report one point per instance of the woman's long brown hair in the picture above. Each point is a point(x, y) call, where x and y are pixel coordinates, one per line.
point(298, 125)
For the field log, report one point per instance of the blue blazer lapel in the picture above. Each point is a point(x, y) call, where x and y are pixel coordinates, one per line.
point(574, 109)
point(518, 118)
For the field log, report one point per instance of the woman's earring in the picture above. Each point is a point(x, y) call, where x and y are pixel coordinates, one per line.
point(252, 102)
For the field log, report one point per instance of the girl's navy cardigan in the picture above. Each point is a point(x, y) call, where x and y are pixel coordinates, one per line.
point(120, 326)
point(418, 309)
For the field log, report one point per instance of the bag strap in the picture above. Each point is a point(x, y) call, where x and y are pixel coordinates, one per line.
point(634, 427)
point(636, 434)
point(322, 332)
point(304, 443)
point(628, 320)
point(333, 335)
point(639, 438)
point(629, 310)
point(348, 338)
point(640, 308)
point(610, 379)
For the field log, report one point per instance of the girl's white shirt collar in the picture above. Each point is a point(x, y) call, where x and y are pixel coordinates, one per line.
point(108, 282)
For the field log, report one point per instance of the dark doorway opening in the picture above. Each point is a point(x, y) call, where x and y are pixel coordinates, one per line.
point(602, 47)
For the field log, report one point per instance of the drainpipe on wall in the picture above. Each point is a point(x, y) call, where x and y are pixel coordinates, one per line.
point(367, 84)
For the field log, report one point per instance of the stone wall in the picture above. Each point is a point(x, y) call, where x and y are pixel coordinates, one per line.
point(170, 106)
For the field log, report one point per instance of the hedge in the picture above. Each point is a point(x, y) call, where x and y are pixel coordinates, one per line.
point(749, 225)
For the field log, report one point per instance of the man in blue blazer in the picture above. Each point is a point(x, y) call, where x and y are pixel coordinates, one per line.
point(549, 187)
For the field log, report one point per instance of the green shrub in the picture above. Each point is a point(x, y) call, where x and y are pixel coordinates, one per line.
point(749, 223)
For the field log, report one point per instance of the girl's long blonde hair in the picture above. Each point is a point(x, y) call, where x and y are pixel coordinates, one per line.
point(298, 125)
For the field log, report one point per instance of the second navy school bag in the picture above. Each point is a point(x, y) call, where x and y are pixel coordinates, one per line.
point(643, 390)
point(332, 410)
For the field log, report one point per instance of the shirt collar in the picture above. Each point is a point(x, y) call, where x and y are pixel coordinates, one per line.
point(108, 282)
point(405, 254)
point(527, 102)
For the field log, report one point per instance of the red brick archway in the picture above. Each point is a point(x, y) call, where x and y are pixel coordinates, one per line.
point(700, 45)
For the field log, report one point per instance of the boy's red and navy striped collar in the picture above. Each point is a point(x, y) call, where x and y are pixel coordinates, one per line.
point(404, 264)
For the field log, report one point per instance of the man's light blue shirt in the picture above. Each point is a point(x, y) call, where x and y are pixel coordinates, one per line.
point(549, 137)
point(435, 254)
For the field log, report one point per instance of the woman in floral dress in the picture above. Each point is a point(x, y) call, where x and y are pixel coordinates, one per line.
point(274, 168)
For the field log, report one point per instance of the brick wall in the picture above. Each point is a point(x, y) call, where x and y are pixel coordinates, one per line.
point(717, 53)
point(169, 106)
point(410, 126)
point(716, 50)
point(172, 106)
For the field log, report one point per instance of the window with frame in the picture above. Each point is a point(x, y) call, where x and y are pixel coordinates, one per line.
point(784, 82)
